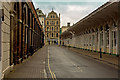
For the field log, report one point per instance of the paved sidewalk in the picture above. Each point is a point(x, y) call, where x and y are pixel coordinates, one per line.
point(33, 67)
point(106, 58)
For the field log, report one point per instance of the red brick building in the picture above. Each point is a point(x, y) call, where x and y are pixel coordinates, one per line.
point(22, 33)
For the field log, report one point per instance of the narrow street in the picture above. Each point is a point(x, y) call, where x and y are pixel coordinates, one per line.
point(59, 40)
point(67, 64)
point(56, 62)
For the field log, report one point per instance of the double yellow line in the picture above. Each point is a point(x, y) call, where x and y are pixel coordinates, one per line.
point(52, 73)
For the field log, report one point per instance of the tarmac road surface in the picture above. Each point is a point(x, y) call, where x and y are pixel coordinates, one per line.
point(64, 63)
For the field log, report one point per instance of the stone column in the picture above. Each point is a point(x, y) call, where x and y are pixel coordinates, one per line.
point(19, 34)
point(110, 40)
point(73, 41)
point(104, 40)
point(76, 41)
point(88, 41)
point(95, 41)
point(113, 37)
point(11, 36)
point(99, 40)
point(117, 41)
point(85, 41)
point(91, 42)
point(80, 41)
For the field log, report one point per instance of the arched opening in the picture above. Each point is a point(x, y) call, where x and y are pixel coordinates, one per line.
point(23, 31)
point(56, 34)
point(52, 35)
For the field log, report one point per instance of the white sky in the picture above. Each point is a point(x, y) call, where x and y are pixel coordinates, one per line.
point(71, 10)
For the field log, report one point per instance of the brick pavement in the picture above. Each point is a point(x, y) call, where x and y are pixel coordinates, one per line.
point(33, 67)
point(106, 58)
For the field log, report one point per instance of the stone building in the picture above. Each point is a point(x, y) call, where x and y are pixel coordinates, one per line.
point(100, 30)
point(42, 18)
point(21, 31)
point(64, 28)
point(0, 39)
point(52, 30)
point(5, 37)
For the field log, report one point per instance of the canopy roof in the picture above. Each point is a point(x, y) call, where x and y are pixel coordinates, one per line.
point(101, 16)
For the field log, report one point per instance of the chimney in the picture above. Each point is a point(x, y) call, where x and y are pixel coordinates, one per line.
point(68, 24)
point(59, 15)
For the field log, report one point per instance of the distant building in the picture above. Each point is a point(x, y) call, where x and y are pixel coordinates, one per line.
point(52, 30)
point(64, 28)
point(42, 17)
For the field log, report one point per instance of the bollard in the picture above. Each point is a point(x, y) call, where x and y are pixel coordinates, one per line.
point(100, 53)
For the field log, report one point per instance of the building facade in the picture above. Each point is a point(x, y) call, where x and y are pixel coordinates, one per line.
point(99, 31)
point(42, 18)
point(0, 52)
point(64, 28)
point(5, 37)
point(21, 31)
point(52, 30)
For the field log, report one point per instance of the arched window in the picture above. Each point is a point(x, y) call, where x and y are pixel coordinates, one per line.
point(47, 22)
point(57, 28)
point(47, 34)
point(52, 34)
point(47, 28)
point(52, 28)
point(56, 34)
point(51, 16)
point(57, 22)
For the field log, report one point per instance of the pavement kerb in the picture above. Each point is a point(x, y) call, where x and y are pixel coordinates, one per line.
point(99, 59)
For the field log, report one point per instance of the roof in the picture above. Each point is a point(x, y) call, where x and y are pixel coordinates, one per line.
point(39, 12)
point(52, 12)
point(97, 18)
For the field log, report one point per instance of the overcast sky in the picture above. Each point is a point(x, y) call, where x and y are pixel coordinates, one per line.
point(71, 10)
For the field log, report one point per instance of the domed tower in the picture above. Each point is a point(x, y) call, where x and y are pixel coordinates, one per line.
point(52, 30)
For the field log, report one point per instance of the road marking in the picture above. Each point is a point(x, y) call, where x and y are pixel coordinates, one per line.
point(45, 74)
point(52, 73)
point(79, 69)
